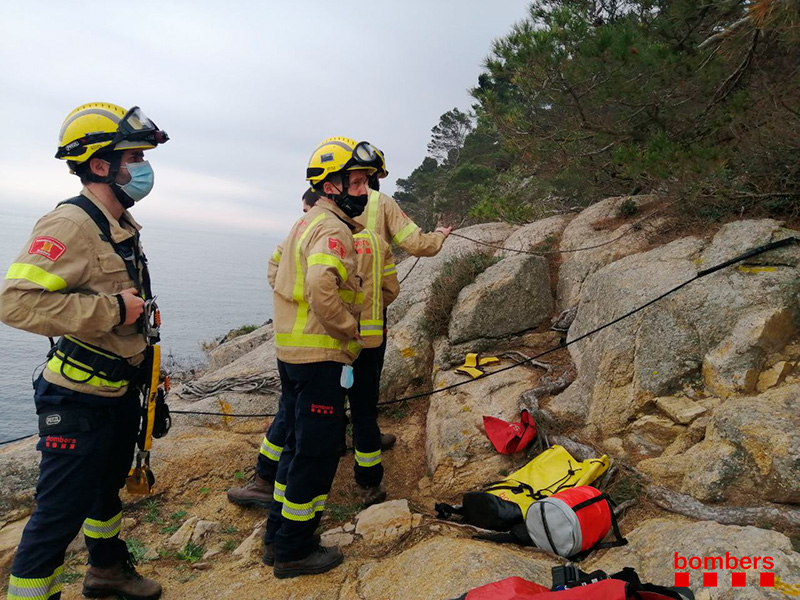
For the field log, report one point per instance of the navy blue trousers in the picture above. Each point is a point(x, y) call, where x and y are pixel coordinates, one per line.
point(363, 398)
point(80, 475)
point(313, 408)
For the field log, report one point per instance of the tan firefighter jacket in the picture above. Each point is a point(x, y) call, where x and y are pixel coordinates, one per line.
point(387, 219)
point(316, 289)
point(379, 283)
point(63, 283)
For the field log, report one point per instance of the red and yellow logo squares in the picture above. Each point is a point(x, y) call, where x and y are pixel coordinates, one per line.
point(48, 247)
point(337, 247)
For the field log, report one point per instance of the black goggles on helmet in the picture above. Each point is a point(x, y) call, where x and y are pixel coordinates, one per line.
point(364, 155)
point(135, 126)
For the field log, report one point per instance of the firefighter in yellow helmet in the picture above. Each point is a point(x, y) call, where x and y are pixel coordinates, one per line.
point(82, 276)
point(317, 297)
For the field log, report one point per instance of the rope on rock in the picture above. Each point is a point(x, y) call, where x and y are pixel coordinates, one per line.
point(247, 384)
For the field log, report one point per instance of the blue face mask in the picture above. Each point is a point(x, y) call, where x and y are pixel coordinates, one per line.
point(141, 183)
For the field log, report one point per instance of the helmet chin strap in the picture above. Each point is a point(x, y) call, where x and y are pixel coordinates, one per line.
point(114, 160)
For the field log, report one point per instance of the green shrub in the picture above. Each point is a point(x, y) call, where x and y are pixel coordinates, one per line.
point(457, 273)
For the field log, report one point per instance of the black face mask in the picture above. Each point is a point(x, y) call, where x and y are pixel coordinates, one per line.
point(126, 201)
point(352, 206)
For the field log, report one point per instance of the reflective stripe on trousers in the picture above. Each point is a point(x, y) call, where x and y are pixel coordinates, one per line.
point(38, 588)
point(280, 492)
point(305, 511)
point(270, 450)
point(368, 459)
point(103, 529)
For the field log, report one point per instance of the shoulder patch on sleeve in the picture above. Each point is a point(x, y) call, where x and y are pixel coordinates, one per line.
point(48, 247)
point(337, 247)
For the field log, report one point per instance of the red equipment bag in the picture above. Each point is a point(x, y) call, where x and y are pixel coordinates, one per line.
point(512, 588)
point(621, 586)
point(608, 589)
point(508, 438)
point(573, 522)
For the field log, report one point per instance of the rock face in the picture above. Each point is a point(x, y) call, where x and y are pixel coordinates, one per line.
point(19, 464)
point(409, 354)
point(384, 522)
point(662, 350)
point(444, 568)
point(508, 298)
point(653, 544)
point(751, 450)
point(409, 349)
point(539, 235)
point(596, 225)
point(459, 454)
point(415, 289)
point(229, 351)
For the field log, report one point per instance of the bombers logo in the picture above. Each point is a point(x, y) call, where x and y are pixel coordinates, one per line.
point(362, 247)
point(63, 443)
point(738, 567)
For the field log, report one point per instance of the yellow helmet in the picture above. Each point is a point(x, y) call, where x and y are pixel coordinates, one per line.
point(380, 164)
point(338, 154)
point(98, 125)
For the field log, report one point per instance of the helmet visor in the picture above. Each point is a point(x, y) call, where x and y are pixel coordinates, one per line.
point(364, 154)
point(135, 125)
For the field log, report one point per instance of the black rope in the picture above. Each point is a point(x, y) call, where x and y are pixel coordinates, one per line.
point(700, 274)
point(409, 271)
point(633, 227)
point(221, 414)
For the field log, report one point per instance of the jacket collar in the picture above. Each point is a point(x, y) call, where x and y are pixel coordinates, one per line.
point(330, 206)
point(119, 233)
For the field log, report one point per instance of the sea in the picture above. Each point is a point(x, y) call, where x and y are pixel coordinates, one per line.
point(206, 283)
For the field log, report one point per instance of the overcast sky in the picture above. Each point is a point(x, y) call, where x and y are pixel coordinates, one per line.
point(245, 89)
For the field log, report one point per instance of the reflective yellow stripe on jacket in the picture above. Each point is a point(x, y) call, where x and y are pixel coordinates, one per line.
point(372, 210)
point(405, 232)
point(372, 317)
point(299, 339)
point(36, 275)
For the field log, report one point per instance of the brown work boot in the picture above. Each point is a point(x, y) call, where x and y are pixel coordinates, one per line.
point(387, 441)
point(256, 492)
point(120, 580)
point(321, 560)
point(268, 557)
point(372, 495)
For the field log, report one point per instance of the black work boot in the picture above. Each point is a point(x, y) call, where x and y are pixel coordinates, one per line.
point(372, 495)
point(256, 492)
point(268, 557)
point(321, 560)
point(387, 440)
point(120, 579)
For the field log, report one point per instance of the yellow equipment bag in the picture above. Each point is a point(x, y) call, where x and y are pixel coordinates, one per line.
point(503, 504)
